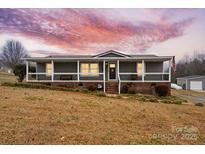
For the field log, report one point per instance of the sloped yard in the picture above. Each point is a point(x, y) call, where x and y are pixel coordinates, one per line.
point(190, 96)
point(42, 116)
point(35, 116)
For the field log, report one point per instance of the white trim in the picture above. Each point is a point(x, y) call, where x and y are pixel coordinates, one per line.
point(111, 52)
point(109, 71)
point(27, 71)
point(104, 76)
point(38, 73)
point(102, 58)
point(127, 73)
point(52, 74)
point(143, 70)
point(156, 73)
point(170, 70)
point(65, 73)
point(92, 81)
point(65, 80)
point(78, 70)
point(130, 73)
point(90, 74)
point(118, 76)
point(144, 81)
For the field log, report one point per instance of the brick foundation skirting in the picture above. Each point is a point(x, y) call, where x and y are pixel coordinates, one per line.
point(145, 87)
point(112, 87)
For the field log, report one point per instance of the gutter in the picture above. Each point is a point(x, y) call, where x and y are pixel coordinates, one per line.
point(104, 58)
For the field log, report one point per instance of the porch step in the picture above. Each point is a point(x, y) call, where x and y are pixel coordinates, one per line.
point(111, 87)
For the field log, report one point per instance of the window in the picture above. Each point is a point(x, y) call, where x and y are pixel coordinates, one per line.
point(139, 69)
point(48, 69)
point(112, 65)
point(89, 69)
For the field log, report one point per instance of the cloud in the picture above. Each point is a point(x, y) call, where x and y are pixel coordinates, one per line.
point(89, 30)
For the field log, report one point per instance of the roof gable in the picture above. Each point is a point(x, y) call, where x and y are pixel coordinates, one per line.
point(111, 53)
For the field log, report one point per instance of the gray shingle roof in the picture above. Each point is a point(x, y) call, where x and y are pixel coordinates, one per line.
point(91, 56)
point(192, 76)
point(99, 54)
point(102, 56)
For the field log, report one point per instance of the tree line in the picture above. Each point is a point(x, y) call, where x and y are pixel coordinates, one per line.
point(190, 65)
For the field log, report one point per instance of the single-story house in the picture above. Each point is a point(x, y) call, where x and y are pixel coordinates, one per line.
point(194, 82)
point(108, 71)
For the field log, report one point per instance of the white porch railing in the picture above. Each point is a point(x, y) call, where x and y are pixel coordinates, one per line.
point(45, 77)
point(142, 77)
point(80, 77)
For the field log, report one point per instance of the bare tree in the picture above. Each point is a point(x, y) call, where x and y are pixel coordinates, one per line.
point(190, 66)
point(12, 54)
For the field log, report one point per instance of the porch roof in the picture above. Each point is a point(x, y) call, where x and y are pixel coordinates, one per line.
point(109, 55)
point(161, 58)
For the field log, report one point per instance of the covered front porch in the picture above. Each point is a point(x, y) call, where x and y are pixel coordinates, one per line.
point(98, 71)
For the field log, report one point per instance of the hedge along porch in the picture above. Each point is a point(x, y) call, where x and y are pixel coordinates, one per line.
point(107, 71)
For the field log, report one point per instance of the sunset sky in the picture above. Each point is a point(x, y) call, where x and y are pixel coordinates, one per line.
point(88, 31)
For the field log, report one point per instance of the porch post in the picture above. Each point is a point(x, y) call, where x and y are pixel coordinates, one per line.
point(104, 76)
point(143, 70)
point(36, 71)
point(78, 70)
point(118, 70)
point(170, 62)
point(26, 71)
point(52, 75)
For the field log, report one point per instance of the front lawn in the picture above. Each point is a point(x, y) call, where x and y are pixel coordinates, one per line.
point(40, 116)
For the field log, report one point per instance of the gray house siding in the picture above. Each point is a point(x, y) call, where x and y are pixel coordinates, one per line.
point(41, 68)
point(156, 67)
point(65, 67)
point(124, 67)
point(128, 67)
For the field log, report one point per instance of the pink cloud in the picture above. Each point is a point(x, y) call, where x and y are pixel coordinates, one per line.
point(89, 30)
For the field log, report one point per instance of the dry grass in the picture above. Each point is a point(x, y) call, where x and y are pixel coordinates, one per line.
point(187, 92)
point(40, 116)
point(36, 116)
point(5, 77)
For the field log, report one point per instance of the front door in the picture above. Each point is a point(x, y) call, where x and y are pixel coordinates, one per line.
point(112, 71)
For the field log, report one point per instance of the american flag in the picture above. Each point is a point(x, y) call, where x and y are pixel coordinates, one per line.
point(173, 64)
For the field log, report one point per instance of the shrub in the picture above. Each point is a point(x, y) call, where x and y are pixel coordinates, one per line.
point(92, 88)
point(166, 101)
point(177, 102)
point(162, 90)
point(132, 90)
point(154, 100)
point(20, 72)
point(142, 99)
point(124, 89)
point(199, 104)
